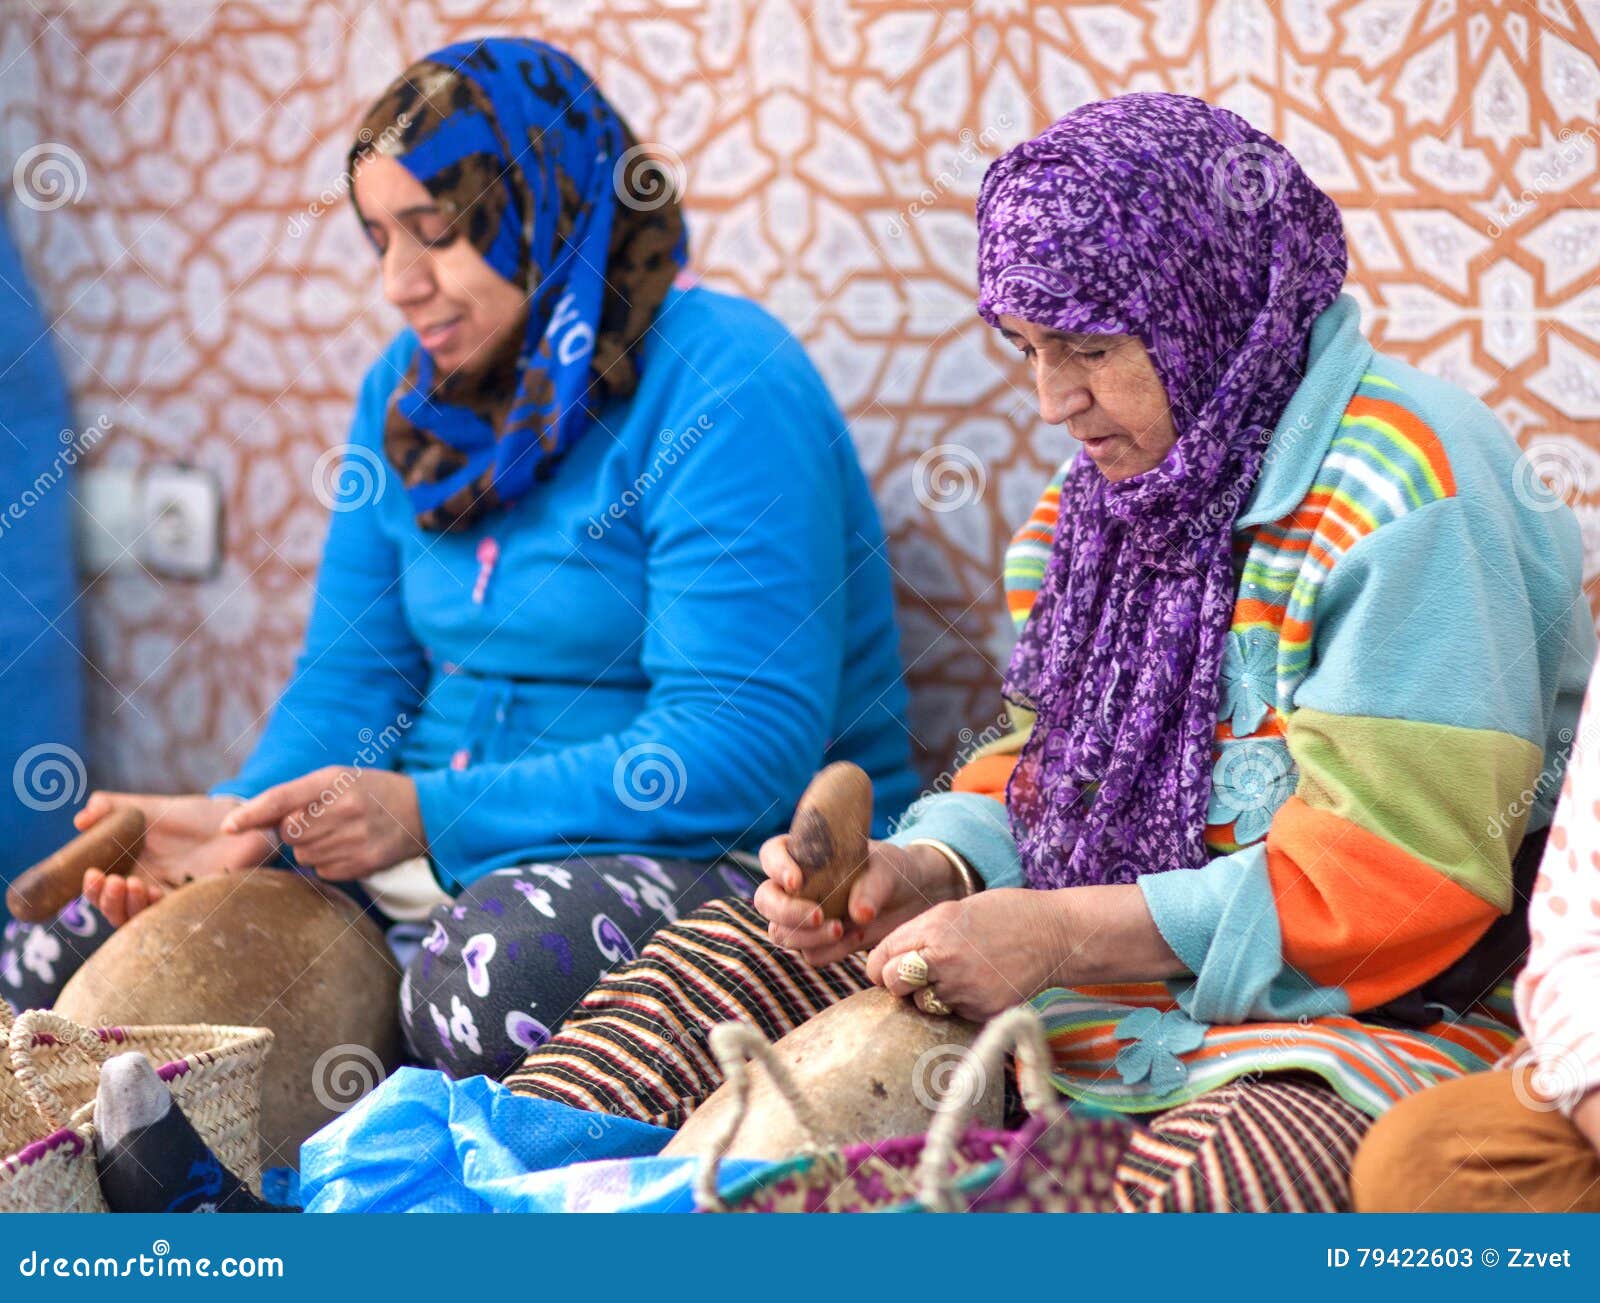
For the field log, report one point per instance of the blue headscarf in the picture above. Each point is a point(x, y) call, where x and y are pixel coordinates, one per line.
point(537, 169)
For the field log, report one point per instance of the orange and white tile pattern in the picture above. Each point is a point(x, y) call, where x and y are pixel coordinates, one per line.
point(214, 298)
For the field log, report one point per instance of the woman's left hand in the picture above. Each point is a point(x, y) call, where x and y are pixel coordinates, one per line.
point(984, 954)
point(342, 822)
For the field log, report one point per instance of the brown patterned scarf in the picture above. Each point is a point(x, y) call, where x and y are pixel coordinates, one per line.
point(576, 215)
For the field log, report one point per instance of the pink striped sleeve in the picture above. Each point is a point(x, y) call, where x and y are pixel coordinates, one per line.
point(1558, 993)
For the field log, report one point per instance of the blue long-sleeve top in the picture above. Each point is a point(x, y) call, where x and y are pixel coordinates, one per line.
point(41, 667)
point(680, 625)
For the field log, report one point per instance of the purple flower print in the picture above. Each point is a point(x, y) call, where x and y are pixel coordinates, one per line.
point(628, 895)
point(536, 896)
point(611, 940)
point(526, 1030)
point(462, 1027)
point(644, 864)
point(475, 957)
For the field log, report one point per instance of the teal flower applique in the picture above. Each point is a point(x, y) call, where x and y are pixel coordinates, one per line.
point(1250, 780)
point(1158, 1039)
point(1249, 679)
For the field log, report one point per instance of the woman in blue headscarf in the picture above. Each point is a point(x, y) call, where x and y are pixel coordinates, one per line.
point(603, 583)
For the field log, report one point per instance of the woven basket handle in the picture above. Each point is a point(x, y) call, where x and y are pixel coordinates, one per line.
point(66, 1033)
point(736, 1046)
point(1018, 1029)
point(6, 1018)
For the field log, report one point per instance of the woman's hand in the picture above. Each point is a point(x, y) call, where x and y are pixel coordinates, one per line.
point(342, 822)
point(899, 883)
point(984, 954)
point(183, 840)
point(998, 948)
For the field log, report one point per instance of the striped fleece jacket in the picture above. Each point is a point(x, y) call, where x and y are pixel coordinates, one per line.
point(1408, 654)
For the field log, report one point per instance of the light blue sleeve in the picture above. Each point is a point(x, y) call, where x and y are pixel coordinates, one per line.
point(975, 827)
point(744, 648)
point(360, 672)
point(1222, 921)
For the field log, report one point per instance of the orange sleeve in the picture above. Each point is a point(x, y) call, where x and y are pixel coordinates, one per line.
point(987, 776)
point(1357, 912)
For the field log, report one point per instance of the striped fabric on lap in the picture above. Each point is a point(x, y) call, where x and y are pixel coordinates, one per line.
point(636, 1046)
point(1369, 1066)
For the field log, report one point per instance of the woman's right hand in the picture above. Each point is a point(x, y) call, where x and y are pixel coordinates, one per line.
point(898, 883)
point(182, 842)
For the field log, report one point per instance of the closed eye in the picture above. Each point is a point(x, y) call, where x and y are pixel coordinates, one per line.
point(428, 226)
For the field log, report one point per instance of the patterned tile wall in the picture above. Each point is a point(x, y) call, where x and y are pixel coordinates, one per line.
point(214, 299)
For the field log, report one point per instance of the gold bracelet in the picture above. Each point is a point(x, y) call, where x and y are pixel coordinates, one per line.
point(969, 879)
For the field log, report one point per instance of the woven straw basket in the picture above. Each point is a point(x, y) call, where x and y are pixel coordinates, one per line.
point(50, 1070)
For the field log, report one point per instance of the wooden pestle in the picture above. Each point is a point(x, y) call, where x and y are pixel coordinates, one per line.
point(828, 838)
point(113, 844)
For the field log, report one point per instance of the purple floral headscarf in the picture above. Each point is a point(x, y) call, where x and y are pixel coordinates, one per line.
point(1164, 217)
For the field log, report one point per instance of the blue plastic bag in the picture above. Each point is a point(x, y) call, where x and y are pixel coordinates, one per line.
point(423, 1142)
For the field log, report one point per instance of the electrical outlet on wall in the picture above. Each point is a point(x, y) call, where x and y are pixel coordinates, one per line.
point(183, 522)
point(166, 518)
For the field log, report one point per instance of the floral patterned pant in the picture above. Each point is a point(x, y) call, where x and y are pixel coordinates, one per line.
point(37, 959)
point(504, 963)
point(498, 968)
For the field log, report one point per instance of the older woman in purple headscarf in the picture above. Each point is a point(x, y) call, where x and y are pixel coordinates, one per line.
point(1302, 643)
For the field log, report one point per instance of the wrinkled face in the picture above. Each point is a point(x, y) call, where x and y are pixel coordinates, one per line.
point(460, 306)
point(1104, 389)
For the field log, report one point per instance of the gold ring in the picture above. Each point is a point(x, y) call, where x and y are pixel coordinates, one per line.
point(929, 1002)
point(913, 969)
